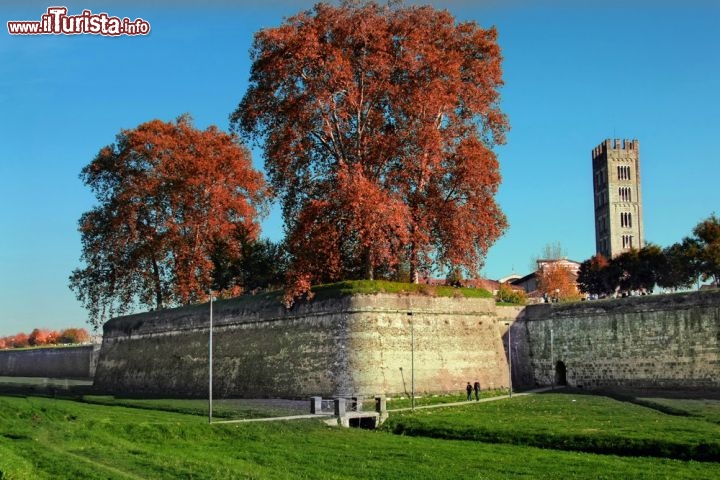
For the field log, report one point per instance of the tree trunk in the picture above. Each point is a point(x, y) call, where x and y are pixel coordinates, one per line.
point(158, 285)
point(414, 274)
point(369, 268)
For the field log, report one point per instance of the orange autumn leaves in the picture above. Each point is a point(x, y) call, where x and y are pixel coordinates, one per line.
point(41, 337)
point(378, 125)
point(168, 196)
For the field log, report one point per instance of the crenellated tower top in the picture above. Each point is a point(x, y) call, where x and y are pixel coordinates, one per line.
point(616, 144)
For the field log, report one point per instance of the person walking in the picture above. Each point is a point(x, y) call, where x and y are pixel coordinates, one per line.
point(476, 387)
point(469, 390)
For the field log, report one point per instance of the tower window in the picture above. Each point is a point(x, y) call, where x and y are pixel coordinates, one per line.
point(624, 194)
point(623, 172)
point(627, 241)
point(626, 220)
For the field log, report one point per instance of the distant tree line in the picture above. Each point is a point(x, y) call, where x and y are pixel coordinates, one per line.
point(675, 267)
point(41, 337)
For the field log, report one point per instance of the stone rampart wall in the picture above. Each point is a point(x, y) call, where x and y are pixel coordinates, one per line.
point(657, 341)
point(363, 345)
point(372, 344)
point(60, 362)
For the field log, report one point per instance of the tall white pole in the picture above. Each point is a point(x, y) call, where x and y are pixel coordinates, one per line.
point(210, 362)
point(509, 331)
point(412, 360)
point(552, 357)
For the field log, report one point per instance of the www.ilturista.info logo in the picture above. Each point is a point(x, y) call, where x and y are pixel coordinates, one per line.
point(57, 22)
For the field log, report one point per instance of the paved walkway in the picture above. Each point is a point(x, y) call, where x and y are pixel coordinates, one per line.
point(468, 402)
point(272, 419)
point(423, 407)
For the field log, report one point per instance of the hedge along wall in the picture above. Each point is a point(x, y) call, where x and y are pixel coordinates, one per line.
point(358, 345)
point(51, 362)
point(656, 341)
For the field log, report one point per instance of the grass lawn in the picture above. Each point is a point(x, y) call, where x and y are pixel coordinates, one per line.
point(706, 409)
point(569, 421)
point(44, 438)
point(222, 408)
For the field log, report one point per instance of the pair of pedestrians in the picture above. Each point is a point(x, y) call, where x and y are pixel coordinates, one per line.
point(469, 388)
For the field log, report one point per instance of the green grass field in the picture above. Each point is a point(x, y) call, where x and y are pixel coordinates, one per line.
point(47, 438)
point(570, 421)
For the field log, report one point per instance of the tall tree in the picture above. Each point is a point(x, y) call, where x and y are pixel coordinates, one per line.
point(680, 268)
point(592, 275)
point(167, 195)
point(707, 237)
point(378, 125)
point(652, 261)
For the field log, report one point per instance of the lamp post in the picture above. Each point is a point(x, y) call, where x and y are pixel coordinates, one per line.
point(412, 360)
point(210, 361)
point(509, 332)
point(552, 357)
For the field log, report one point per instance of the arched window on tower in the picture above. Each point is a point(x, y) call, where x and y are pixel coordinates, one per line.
point(627, 241)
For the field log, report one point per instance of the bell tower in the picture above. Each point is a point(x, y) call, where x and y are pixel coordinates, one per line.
point(618, 205)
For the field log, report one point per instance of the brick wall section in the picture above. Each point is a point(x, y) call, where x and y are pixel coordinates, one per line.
point(60, 362)
point(354, 345)
point(657, 341)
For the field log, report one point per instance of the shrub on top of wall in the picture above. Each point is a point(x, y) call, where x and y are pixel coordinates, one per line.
point(369, 287)
point(511, 296)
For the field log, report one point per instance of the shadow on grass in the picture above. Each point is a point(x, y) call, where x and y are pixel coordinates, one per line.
point(705, 449)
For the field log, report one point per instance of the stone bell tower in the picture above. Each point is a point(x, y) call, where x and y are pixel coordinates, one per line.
point(618, 205)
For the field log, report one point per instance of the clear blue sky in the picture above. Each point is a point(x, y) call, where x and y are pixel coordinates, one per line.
point(574, 75)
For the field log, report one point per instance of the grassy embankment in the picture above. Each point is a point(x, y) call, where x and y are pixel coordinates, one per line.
point(571, 422)
point(363, 287)
point(46, 438)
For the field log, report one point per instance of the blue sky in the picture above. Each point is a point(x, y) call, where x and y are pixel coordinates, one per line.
point(574, 75)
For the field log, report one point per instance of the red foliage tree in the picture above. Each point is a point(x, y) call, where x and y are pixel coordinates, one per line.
point(53, 337)
point(40, 337)
point(378, 126)
point(558, 282)
point(20, 340)
point(74, 336)
point(169, 194)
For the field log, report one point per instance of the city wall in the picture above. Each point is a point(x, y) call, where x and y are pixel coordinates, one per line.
point(657, 341)
point(373, 344)
point(59, 362)
point(359, 345)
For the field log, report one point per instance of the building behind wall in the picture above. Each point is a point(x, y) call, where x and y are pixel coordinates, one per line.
point(618, 204)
